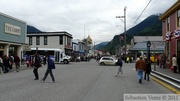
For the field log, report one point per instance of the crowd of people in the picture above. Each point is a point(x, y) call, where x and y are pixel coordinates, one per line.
point(7, 62)
point(161, 62)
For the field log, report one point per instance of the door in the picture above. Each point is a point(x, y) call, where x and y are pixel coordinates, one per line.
point(57, 56)
point(1, 53)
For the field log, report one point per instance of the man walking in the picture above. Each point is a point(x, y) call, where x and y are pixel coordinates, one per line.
point(17, 62)
point(50, 66)
point(119, 63)
point(37, 64)
point(140, 67)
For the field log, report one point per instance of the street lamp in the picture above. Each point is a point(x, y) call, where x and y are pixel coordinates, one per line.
point(124, 27)
point(148, 50)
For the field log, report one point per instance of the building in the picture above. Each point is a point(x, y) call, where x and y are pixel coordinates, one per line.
point(79, 48)
point(139, 45)
point(12, 35)
point(58, 40)
point(171, 31)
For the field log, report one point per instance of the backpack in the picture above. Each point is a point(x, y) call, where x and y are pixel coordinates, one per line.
point(51, 64)
point(120, 62)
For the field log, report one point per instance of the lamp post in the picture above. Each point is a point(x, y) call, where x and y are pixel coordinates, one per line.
point(148, 50)
point(124, 27)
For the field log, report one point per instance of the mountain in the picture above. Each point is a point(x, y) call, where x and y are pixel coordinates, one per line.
point(151, 26)
point(101, 45)
point(31, 29)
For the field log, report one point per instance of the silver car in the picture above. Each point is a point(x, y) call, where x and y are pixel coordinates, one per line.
point(107, 61)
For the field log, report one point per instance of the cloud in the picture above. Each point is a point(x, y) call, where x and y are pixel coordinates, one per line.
point(83, 17)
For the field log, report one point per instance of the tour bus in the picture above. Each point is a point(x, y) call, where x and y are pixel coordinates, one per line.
point(57, 55)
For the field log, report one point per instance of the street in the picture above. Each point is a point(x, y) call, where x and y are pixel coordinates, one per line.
point(77, 81)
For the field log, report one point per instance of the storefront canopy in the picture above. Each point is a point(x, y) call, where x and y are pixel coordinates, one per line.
point(142, 46)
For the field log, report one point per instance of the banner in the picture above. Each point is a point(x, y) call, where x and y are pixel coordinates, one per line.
point(168, 36)
point(177, 33)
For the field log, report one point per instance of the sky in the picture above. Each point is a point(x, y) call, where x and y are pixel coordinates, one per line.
point(80, 18)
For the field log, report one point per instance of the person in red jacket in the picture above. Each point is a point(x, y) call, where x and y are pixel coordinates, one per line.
point(17, 62)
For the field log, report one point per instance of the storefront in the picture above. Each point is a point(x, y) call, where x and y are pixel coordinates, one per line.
point(13, 35)
point(171, 32)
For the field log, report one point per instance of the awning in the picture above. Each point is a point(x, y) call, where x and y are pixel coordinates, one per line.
point(142, 46)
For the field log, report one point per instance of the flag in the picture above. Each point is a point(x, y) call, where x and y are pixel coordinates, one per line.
point(177, 33)
point(168, 36)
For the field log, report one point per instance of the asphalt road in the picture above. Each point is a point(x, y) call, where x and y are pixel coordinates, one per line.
point(77, 81)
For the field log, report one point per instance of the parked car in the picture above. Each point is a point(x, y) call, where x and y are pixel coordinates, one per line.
point(107, 61)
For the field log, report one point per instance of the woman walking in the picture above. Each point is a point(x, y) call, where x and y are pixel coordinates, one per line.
point(174, 63)
point(148, 69)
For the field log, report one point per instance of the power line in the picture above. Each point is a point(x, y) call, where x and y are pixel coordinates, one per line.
point(142, 12)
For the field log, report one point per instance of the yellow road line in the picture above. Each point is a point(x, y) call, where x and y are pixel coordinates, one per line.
point(165, 85)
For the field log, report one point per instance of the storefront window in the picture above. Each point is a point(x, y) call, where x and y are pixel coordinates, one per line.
point(37, 40)
point(178, 46)
point(168, 51)
point(168, 23)
point(1, 46)
point(45, 40)
point(61, 40)
point(12, 50)
point(178, 18)
point(30, 40)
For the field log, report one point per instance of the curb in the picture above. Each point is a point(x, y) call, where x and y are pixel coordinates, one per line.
point(166, 85)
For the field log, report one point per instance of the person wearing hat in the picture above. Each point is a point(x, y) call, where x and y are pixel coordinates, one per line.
point(140, 67)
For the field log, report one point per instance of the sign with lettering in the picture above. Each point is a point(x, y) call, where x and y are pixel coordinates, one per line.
point(12, 29)
point(26, 48)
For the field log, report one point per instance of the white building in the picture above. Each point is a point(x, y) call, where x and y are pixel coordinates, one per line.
point(58, 40)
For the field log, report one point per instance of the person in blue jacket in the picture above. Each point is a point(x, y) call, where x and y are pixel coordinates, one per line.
point(50, 66)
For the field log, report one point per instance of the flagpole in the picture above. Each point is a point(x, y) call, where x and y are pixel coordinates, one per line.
point(120, 47)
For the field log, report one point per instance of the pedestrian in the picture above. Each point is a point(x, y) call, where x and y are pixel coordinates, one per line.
point(17, 62)
point(27, 60)
point(1, 66)
point(140, 67)
point(37, 64)
point(148, 69)
point(163, 60)
point(11, 61)
point(159, 60)
point(44, 60)
point(50, 66)
point(120, 64)
point(174, 63)
point(6, 63)
point(127, 59)
point(178, 62)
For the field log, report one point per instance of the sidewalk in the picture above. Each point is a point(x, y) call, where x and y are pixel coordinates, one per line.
point(166, 71)
point(22, 67)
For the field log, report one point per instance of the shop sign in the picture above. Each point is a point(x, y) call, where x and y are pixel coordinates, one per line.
point(68, 47)
point(26, 48)
point(12, 29)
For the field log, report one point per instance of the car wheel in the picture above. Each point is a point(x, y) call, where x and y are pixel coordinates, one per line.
point(65, 61)
point(102, 63)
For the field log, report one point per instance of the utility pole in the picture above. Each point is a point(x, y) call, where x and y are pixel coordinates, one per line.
point(125, 47)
